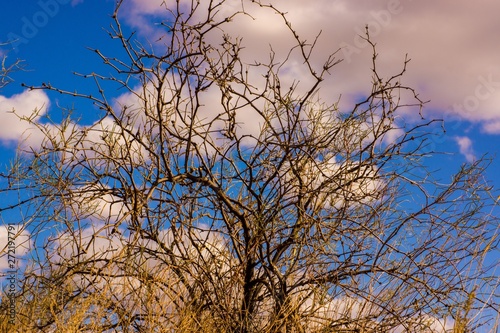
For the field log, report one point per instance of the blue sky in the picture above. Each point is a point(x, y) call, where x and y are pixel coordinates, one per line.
point(53, 37)
point(453, 45)
point(461, 77)
point(51, 52)
point(452, 65)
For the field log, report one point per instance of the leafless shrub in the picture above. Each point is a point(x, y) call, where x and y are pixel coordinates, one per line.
point(172, 213)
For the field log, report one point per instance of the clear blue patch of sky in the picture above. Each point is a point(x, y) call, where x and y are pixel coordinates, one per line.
point(53, 40)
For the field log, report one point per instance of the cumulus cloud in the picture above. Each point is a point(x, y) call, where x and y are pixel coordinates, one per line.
point(465, 146)
point(147, 7)
point(207, 253)
point(210, 119)
point(362, 183)
point(98, 204)
point(18, 248)
point(363, 311)
point(115, 254)
point(15, 107)
point(492, 127)
point(21, 124)
point(447, 44)
point(427, 323)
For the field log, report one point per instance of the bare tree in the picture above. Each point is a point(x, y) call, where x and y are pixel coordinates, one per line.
point(8, 68)
point(174, 212)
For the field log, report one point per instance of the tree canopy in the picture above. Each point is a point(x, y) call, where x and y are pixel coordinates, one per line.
point(220, 194)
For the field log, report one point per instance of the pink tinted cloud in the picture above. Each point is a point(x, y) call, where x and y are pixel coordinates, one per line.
point(492, 127)
point(451, 44)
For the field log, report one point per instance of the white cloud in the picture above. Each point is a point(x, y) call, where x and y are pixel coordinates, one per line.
point(448, 42)
point(364, 312)
point(93, 241)
point(210, 118)
point(18, 248)
point(465, 146)
point(361, 183)
point(207, 253)
point(427, 323)
point(24, 104)
point(98, 204)
point(492, 127)
point(147, 7)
